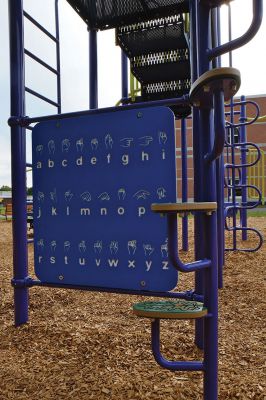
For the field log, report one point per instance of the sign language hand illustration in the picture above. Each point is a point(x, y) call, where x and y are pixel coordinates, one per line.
point(53, 195)
point(113, 247)
point(142, 194)
point(126, 142)
point(148, 249)
point(66, 246)
point(68, 195)
point(86, 196)
point(145, 140)
point(79, 145)
point(94, 143)
point(132, 247)
point(104, 196)
point(40, 244)
point(51, 147)
point(162, 137)
point(164, 248)
point(82, 246)
point(98, 246)
point(40, 196)
point(39, 149)
point(65, 145)
point(53, 245)
point(108, 141)
point(121, 194)
point(161, 193)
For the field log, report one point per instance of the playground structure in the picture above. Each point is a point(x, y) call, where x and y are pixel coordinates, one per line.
point(236, 173)
point(210, 87)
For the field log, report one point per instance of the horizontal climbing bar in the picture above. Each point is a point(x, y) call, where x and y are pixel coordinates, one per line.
point(39, 26)
point(29, 282)
point(38, 60)
point(25, 121)
point(40, 96)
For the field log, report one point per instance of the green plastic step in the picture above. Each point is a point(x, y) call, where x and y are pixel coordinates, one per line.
point(170, 309)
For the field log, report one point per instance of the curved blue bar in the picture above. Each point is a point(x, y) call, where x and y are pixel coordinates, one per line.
point(241, 145)
point(171, 365)
point(244, 39)
point(247, 250)
point(173, 253)
point(219, 127)
point(243, 103)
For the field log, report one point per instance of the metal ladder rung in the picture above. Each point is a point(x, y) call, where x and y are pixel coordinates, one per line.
point(39, 26)
point(38, 60)
point(40, 96)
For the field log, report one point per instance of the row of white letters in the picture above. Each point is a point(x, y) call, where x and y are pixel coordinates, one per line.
point(112, 262)
point(124, 158)
point(86, 211)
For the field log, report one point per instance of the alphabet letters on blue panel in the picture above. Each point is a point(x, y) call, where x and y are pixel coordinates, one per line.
point(95, 178)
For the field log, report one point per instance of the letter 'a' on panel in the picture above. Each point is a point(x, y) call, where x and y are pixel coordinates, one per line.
point(94, 180)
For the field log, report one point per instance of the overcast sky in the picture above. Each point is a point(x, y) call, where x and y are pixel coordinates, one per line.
point(250, 60)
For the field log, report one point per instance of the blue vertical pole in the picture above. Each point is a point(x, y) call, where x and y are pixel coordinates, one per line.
point(93, 69)
point(18, 159)
point(198, 173)
point(184, 182)
point(124, 75)
point(210, 280)
point(243, 139)
point(233, 175)
point(216, 33)
point(232, 133)
point(58, 58)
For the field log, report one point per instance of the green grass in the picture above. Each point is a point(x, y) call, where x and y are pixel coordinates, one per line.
point(256, 213)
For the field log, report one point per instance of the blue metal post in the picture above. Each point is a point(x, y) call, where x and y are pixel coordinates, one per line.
point(216, 38)
point(58, 58)
point(93, 69)
point(243, 139)
point(18, 159)
point(210, 281)
point(198, 173)
point(184, 182)
point(124, 74)
point(233, 176)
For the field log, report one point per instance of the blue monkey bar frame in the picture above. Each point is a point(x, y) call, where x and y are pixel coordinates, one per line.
point(208, 131)
point(236, 176)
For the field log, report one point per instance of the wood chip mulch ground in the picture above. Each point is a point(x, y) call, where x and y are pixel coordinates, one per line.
point(85, 345)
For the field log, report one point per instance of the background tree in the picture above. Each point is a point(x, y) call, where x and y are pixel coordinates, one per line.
point(5, 188)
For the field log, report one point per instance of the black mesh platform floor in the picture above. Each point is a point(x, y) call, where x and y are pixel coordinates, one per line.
point(106, 14)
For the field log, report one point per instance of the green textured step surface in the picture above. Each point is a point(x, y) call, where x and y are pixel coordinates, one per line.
point(170, 309)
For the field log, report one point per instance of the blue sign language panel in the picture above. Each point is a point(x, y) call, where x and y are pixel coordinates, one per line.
point(95, 178)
